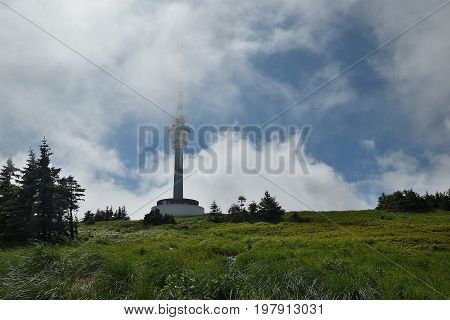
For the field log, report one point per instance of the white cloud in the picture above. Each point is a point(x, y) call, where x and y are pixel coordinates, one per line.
point(416, 65)
point(402, 171)
point(368, 144)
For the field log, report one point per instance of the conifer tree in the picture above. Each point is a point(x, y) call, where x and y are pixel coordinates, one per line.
point(99, 215)
point(28, 187)
point(108, 214)
point(48, 219)
point(253, 208)
point(234, 209)
point(8, 175)
point(89, 217)
point(8, 199)
point(269, 208)
point(71, 194)
point(215, 209)
point(124, 214)
point(242, 201)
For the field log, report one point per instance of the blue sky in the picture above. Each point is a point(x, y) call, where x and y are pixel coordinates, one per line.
point(383, 125)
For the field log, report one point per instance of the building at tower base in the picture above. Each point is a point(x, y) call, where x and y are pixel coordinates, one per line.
point(179, 207)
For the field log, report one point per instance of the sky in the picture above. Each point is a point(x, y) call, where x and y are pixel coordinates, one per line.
point(381, 126)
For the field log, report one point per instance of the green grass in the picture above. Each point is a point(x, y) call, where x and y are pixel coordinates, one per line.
point(367, 255)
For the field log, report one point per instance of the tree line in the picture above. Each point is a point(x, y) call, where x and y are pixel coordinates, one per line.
point(107, 214)
point(35, 202)
point(408, 200)
point(268, 209)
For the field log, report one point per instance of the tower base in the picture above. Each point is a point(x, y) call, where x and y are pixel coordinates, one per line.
point(179, 207)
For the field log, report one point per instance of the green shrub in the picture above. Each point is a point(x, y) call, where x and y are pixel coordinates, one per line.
point(155, 218)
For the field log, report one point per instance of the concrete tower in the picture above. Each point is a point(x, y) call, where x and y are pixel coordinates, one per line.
point(179, 133)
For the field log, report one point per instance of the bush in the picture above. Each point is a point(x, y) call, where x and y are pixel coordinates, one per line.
point(89, 217)
point(155, 218)
point(234, 209)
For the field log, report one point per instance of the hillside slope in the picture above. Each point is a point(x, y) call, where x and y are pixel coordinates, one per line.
point(334, 255)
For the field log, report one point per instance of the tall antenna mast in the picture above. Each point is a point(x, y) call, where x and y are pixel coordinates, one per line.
point(180, 117)
point(179, 133)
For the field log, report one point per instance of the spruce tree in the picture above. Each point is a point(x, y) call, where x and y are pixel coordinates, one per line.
point(8, 175)
point(269, 208)
point(49, 218)
point(99, 215)
point(70, 195)
point(242, 201)
point(253, 208)
point(124, 214)
point(8, 200)
point(89, 217)
point(215, 209)
point(234, 209)
point(28, 186)
point(108, 214)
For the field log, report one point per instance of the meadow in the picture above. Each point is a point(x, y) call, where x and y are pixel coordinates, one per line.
point(331, 255)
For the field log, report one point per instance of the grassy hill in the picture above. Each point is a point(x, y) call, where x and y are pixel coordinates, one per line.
point(333, 255)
